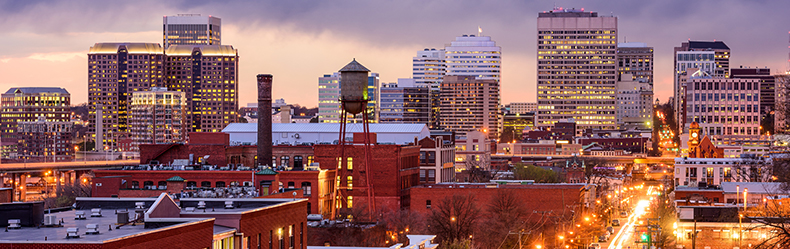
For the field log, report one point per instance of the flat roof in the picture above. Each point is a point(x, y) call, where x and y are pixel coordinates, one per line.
point(57, 235)
point(327, 127)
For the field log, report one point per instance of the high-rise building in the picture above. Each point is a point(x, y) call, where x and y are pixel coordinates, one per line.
point(207, 75)
point(27, 104)
point(635, 58)
point(726, 109)
point(405, 103)
point(428, 69)
point(115, 70)
point(782, 104)
point(191, 29)
point(713, 58)
point(329, 99)
point(634, 103)
point(157, 117)
point(577, 68)
point(521, 107)
point(45, 140)
point(469, 104)
point(471, 55)
point(767, 92)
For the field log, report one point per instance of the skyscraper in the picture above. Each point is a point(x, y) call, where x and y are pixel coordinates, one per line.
point(207, 75)
point(634, 102)
point(726, 109)
point(405, 103)
point(157, 117)
point(329, 99)
point(767, 92)
point(115, 70)
point(476, 56)
point(469, 104)
point(577, 68)
point(27, 104)
point(713, 58)
point(191, 29)
point(635, 58)
point(428, 70)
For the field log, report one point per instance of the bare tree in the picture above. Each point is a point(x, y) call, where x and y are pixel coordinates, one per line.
point(401, 223)
point(454, 218)
point(754, 169)
point(504, 214)
point(67, 194)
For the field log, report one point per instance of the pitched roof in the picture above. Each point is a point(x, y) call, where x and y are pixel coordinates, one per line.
point(266, 171)
point(708, 44)
point(37, 90)
point(176, 179)
point(354, 66)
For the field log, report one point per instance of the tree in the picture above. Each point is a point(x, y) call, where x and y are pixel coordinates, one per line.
point(752, 169)
point(454, 218)
point(402, 222)
point(504, 214)
point(508, 134)
point(532, 172)
point(773, 216)
point(67, 194)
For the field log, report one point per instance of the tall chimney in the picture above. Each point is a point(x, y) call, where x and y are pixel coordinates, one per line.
point(265, 119)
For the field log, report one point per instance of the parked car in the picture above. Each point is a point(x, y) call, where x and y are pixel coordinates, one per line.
point(594, 246)
point(610, 230)
point(623, 214)
point(602, 238)
point(615, 222)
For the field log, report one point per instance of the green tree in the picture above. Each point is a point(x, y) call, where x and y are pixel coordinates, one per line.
point(532, 172)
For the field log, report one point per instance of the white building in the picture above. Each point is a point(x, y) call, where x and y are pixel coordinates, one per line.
point(316, 133)
point(714, 171)
point(428, 68)
point(521, 107)
point(437, 160)
point(726, 109)
point(471, 55)
point(634, 102)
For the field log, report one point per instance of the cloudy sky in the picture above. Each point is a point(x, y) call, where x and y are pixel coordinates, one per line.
point(44, 43)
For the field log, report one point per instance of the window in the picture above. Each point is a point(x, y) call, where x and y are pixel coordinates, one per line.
point(301, 234)
point(148, 184)
point(350, 182)
point(271, 238)
point(350, 163)
point(350, 202)
point(135, 184)
point(220, 184)
point(432, 175)
point(339, 163)
point(298, 161)
point(205, 184)
point(284, 161)
point(428, 204)
point(191, 184)
point(309, 160)
point(259, 241)
point(307, 188)
point(282, 239)
point(291, 236)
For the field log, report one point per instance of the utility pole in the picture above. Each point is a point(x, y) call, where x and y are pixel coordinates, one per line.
point(694, 236)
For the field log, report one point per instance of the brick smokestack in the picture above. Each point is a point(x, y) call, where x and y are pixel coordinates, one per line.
point(265, 119)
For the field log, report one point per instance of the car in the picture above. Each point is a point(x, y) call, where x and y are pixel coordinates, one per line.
point(594, 246)
point(610, 230)
point(623, 214)
point(602, 238)
point(616, 222)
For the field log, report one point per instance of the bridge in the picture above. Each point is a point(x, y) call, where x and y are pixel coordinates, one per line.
point(64, 166)
point(613, 159)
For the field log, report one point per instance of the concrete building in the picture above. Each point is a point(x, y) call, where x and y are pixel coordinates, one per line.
point(207, 75)
point(45, 140)
point(635, 58)
point(27, 104)
point(767, 91)
point(521, 107)
point(712, 58)
point(726, 109)
point(714, 171)
point(329, 99)
point(469, 104)
point(476, 56)
point(321, 133)
point(115, 71)
point(158, 116)
point(634, 102)
point(428, 69)
point(192, 29)
point(437, 160)
point(473, 150)
point(405, 103)
point(577, 68)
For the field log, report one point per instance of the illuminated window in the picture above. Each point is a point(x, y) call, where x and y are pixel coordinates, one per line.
point(349, 202)
point(350, 163)
point(350, 182)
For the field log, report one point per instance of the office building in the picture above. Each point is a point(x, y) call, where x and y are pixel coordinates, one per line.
point(45, 140)
point(157, 117)
point(405, 103)
point(329, 99)
point(115, 71)
point(27, 104)
point(781, 105)
point(191, 29)
point(635, 58)
point(428, 69)
point(577, 68)
point(713, 58)
point(513, 125)
point(469, 104)
point(207, 75)
point(476, 56)
point(726, 109)
point(521, 107)
point(634, 103)
point(767, 91)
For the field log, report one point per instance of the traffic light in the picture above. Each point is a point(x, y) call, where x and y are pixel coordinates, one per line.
point(644, 237)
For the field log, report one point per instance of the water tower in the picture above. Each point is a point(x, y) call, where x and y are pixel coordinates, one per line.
point(354, 100)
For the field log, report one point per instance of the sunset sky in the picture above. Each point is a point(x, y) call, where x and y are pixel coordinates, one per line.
point(44, 43)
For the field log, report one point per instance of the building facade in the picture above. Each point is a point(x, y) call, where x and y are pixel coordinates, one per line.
point(437, 160)
point(577, 68)
point(45, 140)
point(726, 109)
point(476, 56)
point(192, 29)
point(767, 91)
point(157, 117)
point(115, 71)
point(634, 102)
point(329, 99)
point(27, 104)
point(207, 76)
point(469, 104)
point(712, 58)
point(405, 103)
point(521, 107)
point(635, 58)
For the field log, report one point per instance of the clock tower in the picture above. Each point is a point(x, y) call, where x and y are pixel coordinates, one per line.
point(694, 135)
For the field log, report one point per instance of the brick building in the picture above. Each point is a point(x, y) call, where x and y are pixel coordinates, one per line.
point(45, 140)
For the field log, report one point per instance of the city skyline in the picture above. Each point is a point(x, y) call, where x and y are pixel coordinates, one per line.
point(298, 42)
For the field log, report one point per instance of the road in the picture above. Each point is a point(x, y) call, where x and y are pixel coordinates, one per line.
point(624, 238)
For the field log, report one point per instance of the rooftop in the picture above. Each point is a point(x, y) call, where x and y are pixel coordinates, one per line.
point(327, 127)
point(37, 90)
point(207, 50)
point(708, 44)
point(754, 187)
point(132, 47)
